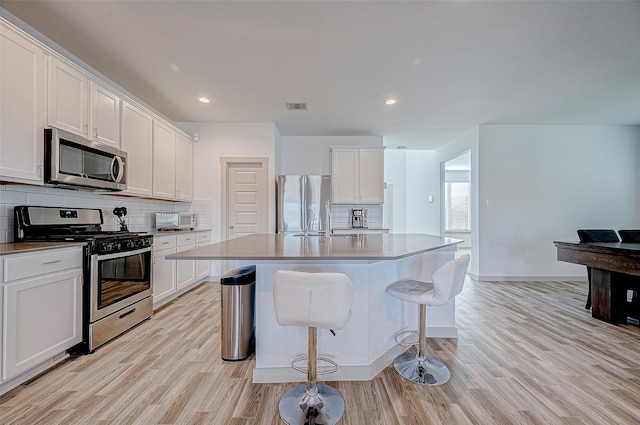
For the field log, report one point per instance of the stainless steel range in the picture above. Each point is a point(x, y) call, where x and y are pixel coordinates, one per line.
point(117, 268)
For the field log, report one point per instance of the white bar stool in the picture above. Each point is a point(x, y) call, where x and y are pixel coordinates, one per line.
point(314, 300)
point(446, 282)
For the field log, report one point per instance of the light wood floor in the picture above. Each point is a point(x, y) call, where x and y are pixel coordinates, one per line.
point(527, 353)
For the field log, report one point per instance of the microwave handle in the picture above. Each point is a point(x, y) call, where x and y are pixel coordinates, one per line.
point(120, 169)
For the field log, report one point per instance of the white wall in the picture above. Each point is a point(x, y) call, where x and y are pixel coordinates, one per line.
point(311, 154)
point(423, 180)
point(544, 182)
point(219, 140)
point(637, 182)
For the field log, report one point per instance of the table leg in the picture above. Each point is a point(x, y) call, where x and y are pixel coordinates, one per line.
point(608, 295)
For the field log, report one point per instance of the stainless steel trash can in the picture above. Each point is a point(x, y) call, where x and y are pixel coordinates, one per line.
point(238, 313)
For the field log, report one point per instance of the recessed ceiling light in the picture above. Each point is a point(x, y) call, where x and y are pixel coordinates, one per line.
point(390, 102)
point(204, 100)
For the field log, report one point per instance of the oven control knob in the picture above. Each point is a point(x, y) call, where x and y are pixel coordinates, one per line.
point(106, 247)
point(130, 244)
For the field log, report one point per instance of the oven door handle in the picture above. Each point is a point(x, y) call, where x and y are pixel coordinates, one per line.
point(122, 254)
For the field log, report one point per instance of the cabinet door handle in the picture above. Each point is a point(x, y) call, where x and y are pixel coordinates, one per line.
point(164, 243)
point(51, 262)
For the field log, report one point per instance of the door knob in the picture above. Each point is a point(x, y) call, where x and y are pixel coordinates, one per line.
point(231, 227)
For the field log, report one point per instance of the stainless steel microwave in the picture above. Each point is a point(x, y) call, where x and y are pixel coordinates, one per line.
point(75, 162)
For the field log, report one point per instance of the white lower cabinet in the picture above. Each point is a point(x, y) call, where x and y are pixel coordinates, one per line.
point(41, 309)
point(172, 277)
point(164, 271)
point(185, 269)
point(203, 267)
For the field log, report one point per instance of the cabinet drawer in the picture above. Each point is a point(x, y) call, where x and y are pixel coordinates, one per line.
point(202, 237)
point(164, 242)
point(186, 239)
point(22, 266)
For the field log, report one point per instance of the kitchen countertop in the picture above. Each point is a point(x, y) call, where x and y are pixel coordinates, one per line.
point(21, 247)
point(336, 247)
point(156, 232)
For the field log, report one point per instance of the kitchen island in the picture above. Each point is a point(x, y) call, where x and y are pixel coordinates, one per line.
point(372, 261)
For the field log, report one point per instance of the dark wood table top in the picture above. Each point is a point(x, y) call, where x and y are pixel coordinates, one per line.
point(613, 256)
point(605, 246)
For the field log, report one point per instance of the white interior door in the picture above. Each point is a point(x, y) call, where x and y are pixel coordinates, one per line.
point(246, 199)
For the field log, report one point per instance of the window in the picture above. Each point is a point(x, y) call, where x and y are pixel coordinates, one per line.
point(457, 211)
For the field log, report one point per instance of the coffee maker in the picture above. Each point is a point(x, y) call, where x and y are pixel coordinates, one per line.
point(358, 217)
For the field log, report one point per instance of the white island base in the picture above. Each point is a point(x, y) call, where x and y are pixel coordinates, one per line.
point(366, 345)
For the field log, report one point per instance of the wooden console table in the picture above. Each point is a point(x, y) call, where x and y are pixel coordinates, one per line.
point(615, 268)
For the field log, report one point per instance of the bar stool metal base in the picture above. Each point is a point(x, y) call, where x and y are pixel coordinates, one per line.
point(329, 413)
point(426, 372)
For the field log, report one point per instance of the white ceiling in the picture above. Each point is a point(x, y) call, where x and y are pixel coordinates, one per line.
point(451, 65)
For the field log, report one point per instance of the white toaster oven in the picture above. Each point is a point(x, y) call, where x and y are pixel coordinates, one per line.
point(175, 221)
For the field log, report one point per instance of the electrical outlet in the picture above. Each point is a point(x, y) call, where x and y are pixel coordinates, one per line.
point(527, 259)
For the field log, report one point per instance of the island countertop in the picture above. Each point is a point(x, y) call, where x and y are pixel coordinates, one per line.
point(372, 247)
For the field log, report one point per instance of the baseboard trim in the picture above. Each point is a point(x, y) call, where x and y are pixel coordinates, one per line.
point(526, 278)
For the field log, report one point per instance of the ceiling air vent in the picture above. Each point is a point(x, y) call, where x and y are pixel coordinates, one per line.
point(297, 106)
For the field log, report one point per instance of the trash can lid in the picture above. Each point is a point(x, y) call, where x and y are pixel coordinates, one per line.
point(240, 276)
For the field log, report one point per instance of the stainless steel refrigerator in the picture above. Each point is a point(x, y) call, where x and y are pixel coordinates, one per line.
point(303, 201)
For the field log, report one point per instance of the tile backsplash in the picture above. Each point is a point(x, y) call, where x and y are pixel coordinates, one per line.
point(341, 216)
point(140, 212)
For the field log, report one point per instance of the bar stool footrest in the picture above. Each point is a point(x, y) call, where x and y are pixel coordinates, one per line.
point(405, 332)
point(328, 363)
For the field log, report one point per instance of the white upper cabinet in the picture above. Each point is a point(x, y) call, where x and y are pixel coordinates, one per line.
point(137, 139)
point(184, 168)
point(22, 107)
point(371, 176)
point(82, 106)
point(172, 163)
point(105, 115)
point(164, 161)
point(68, 97)
point(344, 175)
point(357, 175)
